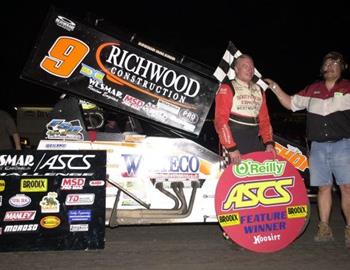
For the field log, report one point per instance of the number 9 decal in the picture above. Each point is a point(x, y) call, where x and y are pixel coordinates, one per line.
point(64, 56)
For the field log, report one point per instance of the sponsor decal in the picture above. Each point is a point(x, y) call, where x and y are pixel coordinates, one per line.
point(183, 164)
point(2, 185)
point(241, 195)
point(65, 23)
point(189, 116)
point(142, 75)
point(47, 174)
point(293, 155)
point(299, 211)
point(162, 104)
point(105, 90)
point(133, 102)
point(21, 228)
point(262, 204)
point(229, 219)
point(34, 185)
point(156, 113)
point(16, 161)
point(155, 50)
point(55, 146)
point(69, 161)
point(20, 200)
point(79, 215)
point(19, 215)
point(72, 183)
point(49, 203)
point(59, 129)
point(79, 227)
point(80, 199)
point(249, 168)
point(97, 183)
point(50, 222)
point(91, 73)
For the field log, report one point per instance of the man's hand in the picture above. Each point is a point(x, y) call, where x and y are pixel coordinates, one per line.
point(235, 157)
point(271, 148)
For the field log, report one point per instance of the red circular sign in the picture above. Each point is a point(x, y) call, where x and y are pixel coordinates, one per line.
point(262, 203)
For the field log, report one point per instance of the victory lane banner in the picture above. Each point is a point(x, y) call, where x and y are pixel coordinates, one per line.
point(52, 200)
point(74, 58)
point(262, 203)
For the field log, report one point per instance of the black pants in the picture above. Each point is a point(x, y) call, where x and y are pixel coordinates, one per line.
point(247, 138)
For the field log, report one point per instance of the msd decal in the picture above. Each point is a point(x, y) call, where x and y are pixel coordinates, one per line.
point(72, 183)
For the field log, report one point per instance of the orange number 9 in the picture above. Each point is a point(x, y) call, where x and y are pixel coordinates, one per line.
point(64, 56)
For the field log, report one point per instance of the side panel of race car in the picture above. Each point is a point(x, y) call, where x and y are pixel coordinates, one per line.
point(155, 179)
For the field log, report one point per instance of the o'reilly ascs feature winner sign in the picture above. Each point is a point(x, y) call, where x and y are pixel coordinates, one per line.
point(262, 203)
point(95, 66)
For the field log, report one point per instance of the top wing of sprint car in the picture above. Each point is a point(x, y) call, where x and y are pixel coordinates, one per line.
point(122, 74)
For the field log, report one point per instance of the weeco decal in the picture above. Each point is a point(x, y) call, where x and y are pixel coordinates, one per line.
point(262, 203)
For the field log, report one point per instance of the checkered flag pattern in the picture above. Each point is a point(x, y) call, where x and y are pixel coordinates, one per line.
point(225, 71)
point(225, 158)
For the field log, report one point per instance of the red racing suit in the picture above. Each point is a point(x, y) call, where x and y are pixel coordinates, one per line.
point(241, 104)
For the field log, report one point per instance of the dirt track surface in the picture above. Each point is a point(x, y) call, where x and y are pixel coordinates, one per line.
point(194, 246)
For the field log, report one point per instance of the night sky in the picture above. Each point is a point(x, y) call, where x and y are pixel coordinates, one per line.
point(286, 39)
